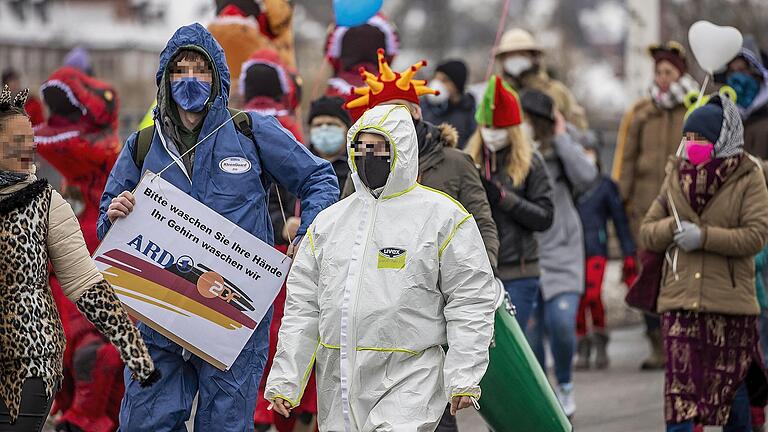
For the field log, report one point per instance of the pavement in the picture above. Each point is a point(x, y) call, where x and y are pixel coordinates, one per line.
point(618, 399)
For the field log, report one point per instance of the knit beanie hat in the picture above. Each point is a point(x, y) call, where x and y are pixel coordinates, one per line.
point(706, 121)
point(457, 71)
point(538, 104)
point(500, 106)
point(262, 80)
point(330, 106)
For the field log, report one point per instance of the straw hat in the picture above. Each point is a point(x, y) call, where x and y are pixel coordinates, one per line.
point(517, 40)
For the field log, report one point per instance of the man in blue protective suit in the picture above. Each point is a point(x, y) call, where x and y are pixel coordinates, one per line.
point(192, 134)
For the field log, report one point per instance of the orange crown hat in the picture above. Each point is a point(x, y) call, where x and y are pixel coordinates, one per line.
point(389, 86)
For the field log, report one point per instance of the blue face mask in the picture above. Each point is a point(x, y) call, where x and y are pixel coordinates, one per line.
point(327, 139)
point(191, 94)
point(746, 88)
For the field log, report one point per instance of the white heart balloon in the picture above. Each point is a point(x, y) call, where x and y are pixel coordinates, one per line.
point(714, 45)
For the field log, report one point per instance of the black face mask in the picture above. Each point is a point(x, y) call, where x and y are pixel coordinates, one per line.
point(373, 170)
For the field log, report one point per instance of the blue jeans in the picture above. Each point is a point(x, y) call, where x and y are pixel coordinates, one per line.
point(523, 294)
point(555, 318)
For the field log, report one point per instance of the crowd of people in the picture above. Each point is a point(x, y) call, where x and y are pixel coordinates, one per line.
point(402, 202)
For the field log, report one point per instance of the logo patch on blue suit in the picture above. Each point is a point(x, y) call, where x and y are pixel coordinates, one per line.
point(235, 165)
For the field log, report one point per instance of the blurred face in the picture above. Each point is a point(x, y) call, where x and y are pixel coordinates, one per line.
point(368, 144)
point(328, 136)
point(449, 85)
point(326, 120)
point(197, 69)
point(14, 85)
point(739, 65)
point(694, 138)
point(517, 63)
point(17, 144)
point(665, 75)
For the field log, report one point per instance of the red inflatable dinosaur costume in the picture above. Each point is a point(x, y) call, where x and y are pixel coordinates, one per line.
point(80, 140)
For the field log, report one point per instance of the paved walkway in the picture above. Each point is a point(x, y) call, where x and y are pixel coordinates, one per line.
point(619, 399)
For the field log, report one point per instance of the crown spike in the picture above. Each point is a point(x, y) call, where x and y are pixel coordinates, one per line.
point(406, 78)
point(385, 72)
point(424, 90)
point(360, 102)
point(360, 91)
point(365, 75)
point(375, 85)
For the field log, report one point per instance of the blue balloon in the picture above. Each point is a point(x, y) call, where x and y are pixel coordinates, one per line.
point(350, 13)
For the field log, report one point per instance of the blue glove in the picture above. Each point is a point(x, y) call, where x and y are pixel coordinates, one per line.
point(689, 237)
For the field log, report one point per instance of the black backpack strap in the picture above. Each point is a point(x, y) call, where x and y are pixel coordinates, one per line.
point(243, 124)
point(143, 143)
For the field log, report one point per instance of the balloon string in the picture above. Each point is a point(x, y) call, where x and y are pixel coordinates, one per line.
point(702, 91)
point(499, 30)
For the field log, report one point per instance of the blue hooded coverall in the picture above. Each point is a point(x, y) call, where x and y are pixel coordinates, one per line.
point(227, 399)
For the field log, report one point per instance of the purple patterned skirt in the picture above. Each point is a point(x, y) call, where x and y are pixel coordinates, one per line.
point(708, 356)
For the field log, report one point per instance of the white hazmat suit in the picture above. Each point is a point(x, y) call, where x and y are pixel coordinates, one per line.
point(378, 285)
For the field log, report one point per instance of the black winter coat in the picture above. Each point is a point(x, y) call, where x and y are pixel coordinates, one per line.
point(520, 213)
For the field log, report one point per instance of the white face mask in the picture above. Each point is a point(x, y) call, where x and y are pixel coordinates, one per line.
point(494, 139)
point(442, 97)
point(516, 65)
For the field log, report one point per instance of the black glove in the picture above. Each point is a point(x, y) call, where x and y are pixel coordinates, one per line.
point(492, 190)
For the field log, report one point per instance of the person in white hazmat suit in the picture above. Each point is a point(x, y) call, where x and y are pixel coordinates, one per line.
point(384, 278)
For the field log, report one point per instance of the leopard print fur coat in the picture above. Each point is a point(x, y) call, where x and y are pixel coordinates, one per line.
point(36, 225)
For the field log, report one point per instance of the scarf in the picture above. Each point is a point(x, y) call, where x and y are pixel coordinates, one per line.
point(701, 183)
point(10, 178)
point(676, 94)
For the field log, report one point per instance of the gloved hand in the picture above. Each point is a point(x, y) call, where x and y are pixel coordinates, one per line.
point(629, 272)
point(492, 190)
point(689, 238)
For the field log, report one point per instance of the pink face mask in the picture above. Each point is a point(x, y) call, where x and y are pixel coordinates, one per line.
point(698, 152)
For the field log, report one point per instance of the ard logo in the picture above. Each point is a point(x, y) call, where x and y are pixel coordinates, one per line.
point(392, 258)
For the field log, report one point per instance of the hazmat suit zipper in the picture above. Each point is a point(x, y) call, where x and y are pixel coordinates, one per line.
point(360, 282)
point(348, 343)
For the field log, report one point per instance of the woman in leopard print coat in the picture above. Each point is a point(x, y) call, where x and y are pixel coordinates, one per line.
point(37, 225)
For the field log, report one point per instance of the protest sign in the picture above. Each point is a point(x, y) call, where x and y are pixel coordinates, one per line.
point(190, 273)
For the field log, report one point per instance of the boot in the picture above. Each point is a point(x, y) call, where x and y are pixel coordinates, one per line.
point(584, 352)
point(600, 339)
point(656, 360)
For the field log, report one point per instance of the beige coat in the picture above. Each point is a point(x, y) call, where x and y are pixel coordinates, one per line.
point(720, 277)
point(648, 137)
point(36, 225)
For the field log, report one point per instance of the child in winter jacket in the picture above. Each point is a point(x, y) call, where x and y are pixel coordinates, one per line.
point(598, 204)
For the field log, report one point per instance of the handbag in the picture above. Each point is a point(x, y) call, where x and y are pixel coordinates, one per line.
point(644, 293)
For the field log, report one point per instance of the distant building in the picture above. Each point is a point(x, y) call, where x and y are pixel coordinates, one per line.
point(124, 38)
